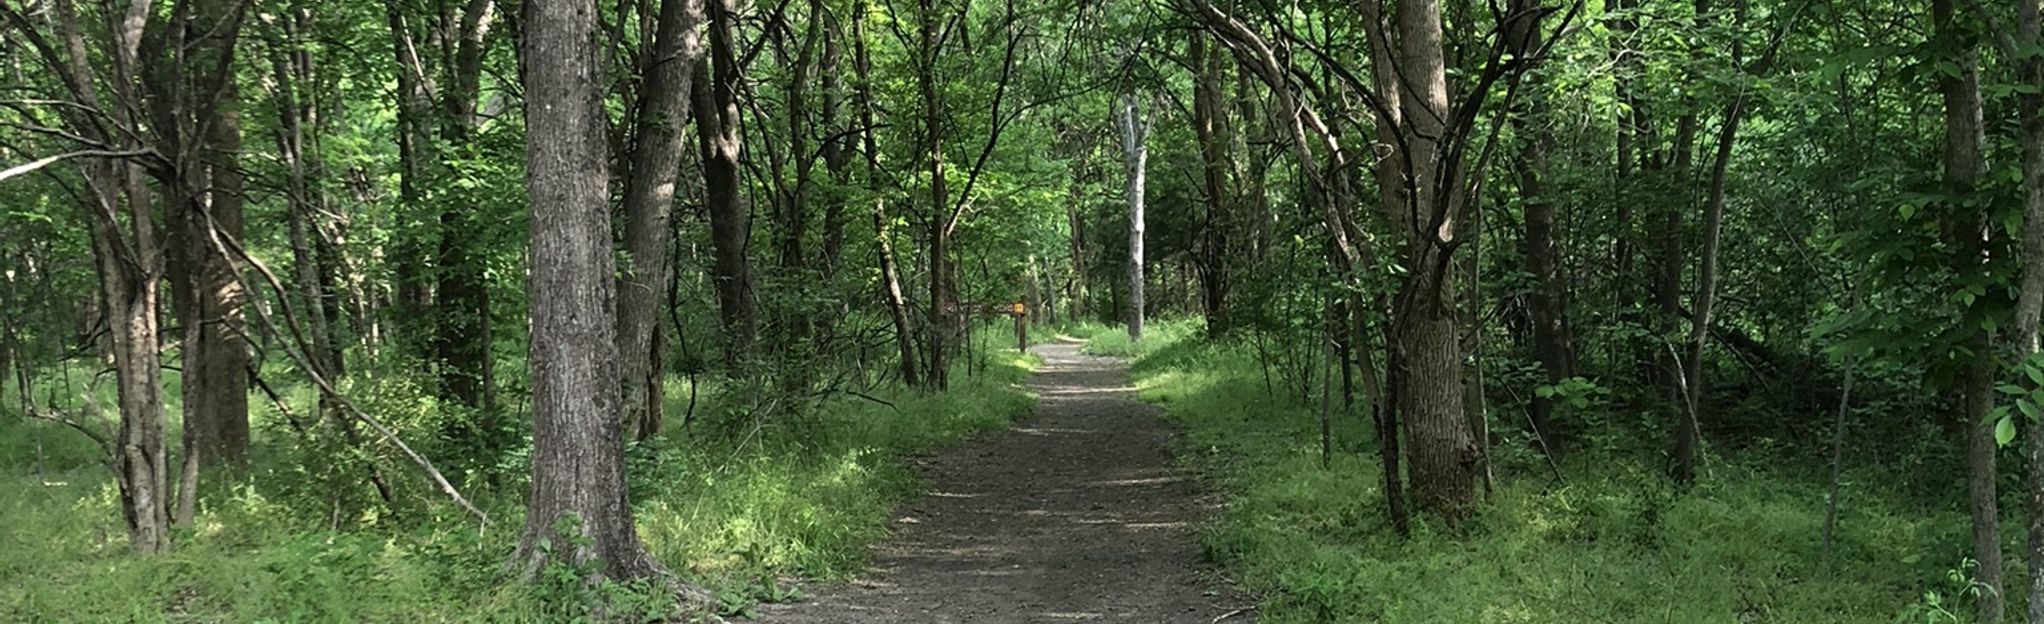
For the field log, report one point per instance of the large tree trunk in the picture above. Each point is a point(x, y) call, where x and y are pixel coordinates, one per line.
point(716, 101)
point(222, 351)
point(1135, 158)
point(1966, 230)
point(578, 469)
point(1444, 457)
point(197, 121)
point(1210, 128)
point(657, 149)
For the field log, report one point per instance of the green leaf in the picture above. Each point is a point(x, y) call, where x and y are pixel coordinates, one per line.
point(2004, 431)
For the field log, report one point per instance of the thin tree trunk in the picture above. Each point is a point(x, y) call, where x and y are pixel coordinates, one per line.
point(415, 157)
point(1967, 230)
point(794, 221)
point(657, 148)
point(836, 150)
point(1076, 220)
point(1837, 460)
point(890, 278)
point(716, 112)
point(1135, 158)
point(1210, 128)
point(1553, 344)
point(941, 305)
point(1250, 169)
point(2030, 298)
point(464, 330)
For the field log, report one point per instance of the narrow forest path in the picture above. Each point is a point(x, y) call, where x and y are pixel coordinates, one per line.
point(1076, 514)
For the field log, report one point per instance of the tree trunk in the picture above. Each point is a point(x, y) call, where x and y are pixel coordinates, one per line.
point(1250, 169)
point(1444, 458)
point(1967, 232)
point(1687, 431)
point(413, 290)
point(127, 261)
point(2030, 298)
point(1210, 128)
point(890, 278)
point(463, 332)
point(196, 118)
point(716, 111)
point(129, 294)
point(578, 469)
point(794, 221)
point(836, 150)
point(1553, 343)
point(1390, 177)
point(657, 148)
point(1135, 158)
point(291, 67)
point(1075, 217)
point(941, 305)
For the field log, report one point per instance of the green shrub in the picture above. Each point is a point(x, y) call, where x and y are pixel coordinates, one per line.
point(1613, 544)
point(300, 538)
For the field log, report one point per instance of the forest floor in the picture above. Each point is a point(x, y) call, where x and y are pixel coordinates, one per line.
point(1079, 513)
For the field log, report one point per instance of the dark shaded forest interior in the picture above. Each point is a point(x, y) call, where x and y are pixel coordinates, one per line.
point(656, 310)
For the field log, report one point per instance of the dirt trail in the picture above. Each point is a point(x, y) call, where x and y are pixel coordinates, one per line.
point(1076, 514)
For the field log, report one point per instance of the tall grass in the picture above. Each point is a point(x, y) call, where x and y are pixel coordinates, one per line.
point(1612, 544)
point(740, 509)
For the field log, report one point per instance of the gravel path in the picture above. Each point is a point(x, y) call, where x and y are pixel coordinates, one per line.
point(1075, 515)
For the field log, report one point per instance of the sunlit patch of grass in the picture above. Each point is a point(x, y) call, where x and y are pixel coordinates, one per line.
point(1614, 544)
point(795, 501)
point(1113, 340)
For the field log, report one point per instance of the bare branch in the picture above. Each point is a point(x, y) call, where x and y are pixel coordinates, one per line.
point(33, 165)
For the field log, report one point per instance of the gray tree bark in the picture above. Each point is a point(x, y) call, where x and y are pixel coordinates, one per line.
point(1444, 454)
point(1135, 157)
point(716, 110)
point(2030, 298)
point(890, 277)
point(578, 469)
point(648, 204)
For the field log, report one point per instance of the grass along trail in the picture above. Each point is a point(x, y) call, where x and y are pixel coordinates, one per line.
point(1077, 514)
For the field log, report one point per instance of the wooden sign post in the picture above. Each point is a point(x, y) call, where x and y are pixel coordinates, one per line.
point(1021, 313)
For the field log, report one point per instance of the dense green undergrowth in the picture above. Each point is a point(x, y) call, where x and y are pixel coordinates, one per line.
point(1613, 543)
point(741, 507)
